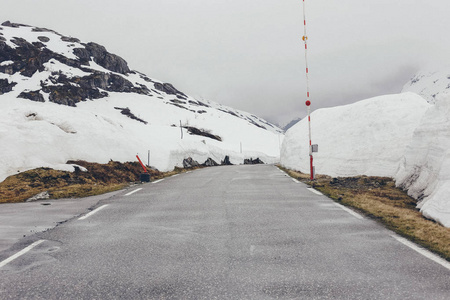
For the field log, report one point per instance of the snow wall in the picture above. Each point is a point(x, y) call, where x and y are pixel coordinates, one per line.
point(368, 137)
point(425, 167)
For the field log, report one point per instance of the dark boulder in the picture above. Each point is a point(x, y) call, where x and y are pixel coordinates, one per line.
point(251, 161)
point(226, 161)
point(43, 39)
point(189, 163)
point(210, 163)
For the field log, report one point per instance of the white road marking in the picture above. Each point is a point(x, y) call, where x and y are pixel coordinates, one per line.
point(20, 253)
point(315, 191)
point(423, 251)
point(358, 216)
point(93, 212)
point(295, 180)
point(132, 192)
point(157, 181)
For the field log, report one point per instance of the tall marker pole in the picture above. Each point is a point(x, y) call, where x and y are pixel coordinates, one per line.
point(308, 102)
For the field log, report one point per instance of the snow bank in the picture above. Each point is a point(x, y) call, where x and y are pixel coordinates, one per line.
point(365, 138)
point(425, 167)
point(34, 135)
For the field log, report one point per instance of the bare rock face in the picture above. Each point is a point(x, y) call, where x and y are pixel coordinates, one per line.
point(30, 58)
point(102, 57)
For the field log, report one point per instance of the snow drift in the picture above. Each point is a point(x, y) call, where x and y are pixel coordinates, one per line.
point(368, 137)
point(425, 168)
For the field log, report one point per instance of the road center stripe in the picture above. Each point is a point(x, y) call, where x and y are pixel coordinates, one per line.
point(132, 192)
point(93, 212)
point(20, 253)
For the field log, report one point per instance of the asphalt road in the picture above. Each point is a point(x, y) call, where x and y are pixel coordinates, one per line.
point(238, 232)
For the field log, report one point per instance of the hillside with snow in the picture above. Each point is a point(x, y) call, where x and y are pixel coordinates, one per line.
point(62, 99)
point(429, 84)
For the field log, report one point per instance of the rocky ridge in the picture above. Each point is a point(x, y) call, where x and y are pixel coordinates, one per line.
point(34, 52)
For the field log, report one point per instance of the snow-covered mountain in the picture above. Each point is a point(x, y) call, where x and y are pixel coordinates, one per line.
point(429, 84)
point(290, 124)
point(62, 99)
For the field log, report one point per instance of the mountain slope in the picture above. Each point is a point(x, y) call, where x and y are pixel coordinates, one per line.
point(429, 84)
point(63, 99)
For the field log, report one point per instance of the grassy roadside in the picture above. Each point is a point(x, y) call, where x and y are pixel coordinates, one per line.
point(99, 179)
point(380, 199)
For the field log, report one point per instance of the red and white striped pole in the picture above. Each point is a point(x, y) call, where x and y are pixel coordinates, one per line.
point(308, 102)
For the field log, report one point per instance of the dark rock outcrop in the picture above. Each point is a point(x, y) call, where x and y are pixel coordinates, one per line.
point(168, 89)
point(32, 95)
point(202, 132)
point(127, 112)
point(6, 86)
point(102, 57)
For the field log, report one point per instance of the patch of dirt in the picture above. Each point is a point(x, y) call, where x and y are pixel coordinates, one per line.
point(99, 178)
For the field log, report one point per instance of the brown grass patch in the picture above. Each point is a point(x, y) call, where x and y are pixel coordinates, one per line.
point(99, 179)
point(380, 199)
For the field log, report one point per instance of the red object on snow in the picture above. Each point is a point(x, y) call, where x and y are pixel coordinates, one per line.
point(308, 103)
point(143, 167)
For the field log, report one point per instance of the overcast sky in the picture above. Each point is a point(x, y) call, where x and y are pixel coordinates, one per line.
point(248, 54)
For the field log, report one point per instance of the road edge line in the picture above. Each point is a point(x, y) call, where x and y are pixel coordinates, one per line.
point(428, 254)
point(353, 213)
